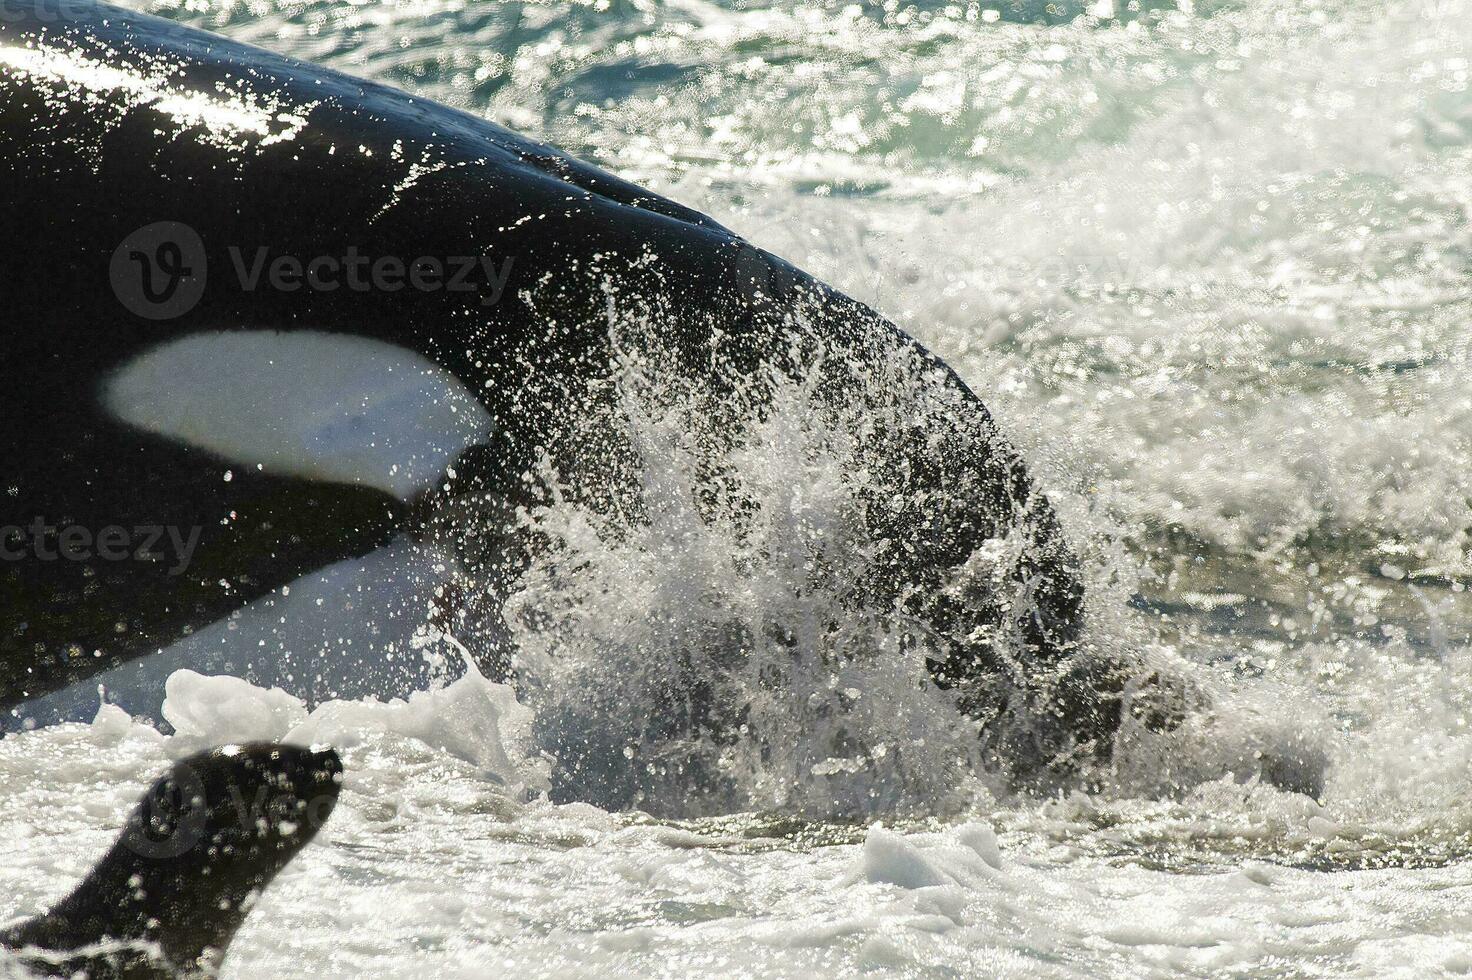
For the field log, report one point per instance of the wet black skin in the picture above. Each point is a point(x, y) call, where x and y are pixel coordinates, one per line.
point(77, 175)
point(204, 841)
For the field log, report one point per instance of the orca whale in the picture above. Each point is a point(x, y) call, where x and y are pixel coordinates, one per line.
point(269, 327)
point(204, 841)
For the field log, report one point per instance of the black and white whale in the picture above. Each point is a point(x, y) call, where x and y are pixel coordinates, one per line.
point(205, 840)
point(270, 327)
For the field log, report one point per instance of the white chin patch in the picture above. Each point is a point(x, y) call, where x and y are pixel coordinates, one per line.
point(333, 407)
point(346, 631)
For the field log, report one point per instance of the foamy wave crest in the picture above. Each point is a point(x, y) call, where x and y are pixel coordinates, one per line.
point(471, 719)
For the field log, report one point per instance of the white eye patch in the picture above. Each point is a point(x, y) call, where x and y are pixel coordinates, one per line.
point(333, 407)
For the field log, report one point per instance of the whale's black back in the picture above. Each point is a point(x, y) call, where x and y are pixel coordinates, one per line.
point(84, 164)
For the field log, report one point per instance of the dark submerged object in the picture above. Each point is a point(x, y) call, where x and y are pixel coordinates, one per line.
point(112, 121)
point(203, 842)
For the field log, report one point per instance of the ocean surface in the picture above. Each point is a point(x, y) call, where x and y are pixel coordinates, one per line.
point(1210, 266)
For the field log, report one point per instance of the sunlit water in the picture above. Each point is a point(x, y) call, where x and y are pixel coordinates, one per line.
point(1208, 264)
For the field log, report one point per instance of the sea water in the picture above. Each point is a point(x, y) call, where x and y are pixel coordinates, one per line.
point(1207, 264)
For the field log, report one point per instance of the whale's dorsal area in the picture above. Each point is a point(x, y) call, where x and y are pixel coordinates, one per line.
point(207, 837)
point(323, 406)
point(290, 436)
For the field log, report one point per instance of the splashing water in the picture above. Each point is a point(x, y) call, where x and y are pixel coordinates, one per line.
point(1205, 263)
point(716, 645)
